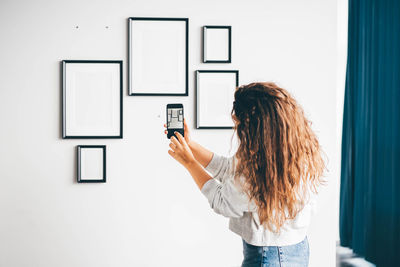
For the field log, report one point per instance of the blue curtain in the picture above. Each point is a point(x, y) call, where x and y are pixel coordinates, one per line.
point(370, 175)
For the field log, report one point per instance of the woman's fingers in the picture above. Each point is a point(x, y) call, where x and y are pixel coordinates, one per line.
point(175, 155)
point(172, 145)
point(186, 131)
point(175, 142)
point(181, 139)
point(172, 153)
point(185, 127)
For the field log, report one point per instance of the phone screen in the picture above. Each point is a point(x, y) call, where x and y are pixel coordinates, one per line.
point(175, 118)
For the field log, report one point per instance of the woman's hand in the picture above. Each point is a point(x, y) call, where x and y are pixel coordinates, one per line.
point(186, 132)
point(200, 153)
point(181, 151)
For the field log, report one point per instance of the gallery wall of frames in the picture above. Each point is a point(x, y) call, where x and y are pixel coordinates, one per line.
point(86, 175)
point(158, 65)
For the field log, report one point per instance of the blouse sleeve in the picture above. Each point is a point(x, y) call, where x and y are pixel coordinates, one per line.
point(223, 194)
point(221, 167)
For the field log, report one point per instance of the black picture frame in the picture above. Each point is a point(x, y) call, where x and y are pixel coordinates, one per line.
point(65, 135)
point(205, 28)
point(79, 164)
point(131, 91)
point(197, 72)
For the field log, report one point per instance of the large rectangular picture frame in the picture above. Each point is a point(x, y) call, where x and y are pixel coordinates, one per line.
point(79, 164)
point(64, 105)
point(205, 28)
point(236, 72)
point(131, 91)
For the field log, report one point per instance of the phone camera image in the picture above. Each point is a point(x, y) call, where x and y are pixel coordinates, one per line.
point(175, 118)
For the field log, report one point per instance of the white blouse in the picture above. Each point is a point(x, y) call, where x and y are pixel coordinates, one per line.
point(227, 199)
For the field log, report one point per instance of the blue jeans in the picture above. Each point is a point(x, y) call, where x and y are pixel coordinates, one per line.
point(275, 256)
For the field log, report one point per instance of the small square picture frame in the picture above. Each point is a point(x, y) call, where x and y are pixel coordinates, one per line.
point(91, 164)
point(215, 91)
point(217, 44)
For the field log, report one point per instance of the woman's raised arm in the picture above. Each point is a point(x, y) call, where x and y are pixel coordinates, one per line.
point(200, 153)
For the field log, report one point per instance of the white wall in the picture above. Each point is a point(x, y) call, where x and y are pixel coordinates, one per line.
point(149, 213)
point(342, 23)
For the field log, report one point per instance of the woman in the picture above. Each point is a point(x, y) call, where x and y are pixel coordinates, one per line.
point(268, 187)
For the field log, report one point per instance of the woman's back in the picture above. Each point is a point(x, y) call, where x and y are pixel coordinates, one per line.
point(226, 197)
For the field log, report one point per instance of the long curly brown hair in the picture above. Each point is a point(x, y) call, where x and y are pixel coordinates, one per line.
point(278, 155)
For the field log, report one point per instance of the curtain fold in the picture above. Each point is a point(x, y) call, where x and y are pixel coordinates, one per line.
point(370, 174)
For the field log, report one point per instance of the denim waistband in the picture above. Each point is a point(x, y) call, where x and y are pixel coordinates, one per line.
point(296, 255)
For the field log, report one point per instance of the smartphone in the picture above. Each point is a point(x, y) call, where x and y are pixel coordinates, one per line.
point(174, 119)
